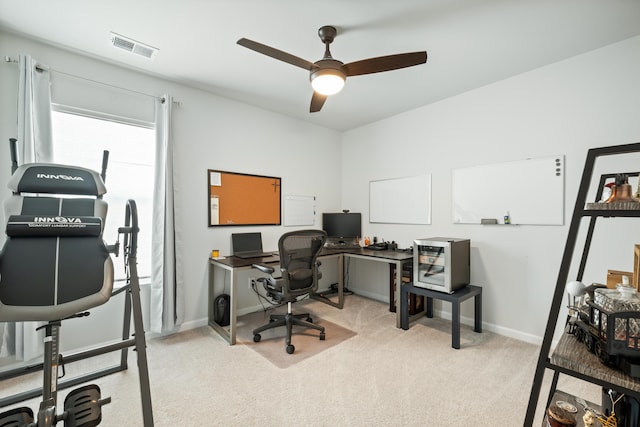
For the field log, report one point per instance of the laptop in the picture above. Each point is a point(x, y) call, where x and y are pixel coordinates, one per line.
point(247, 245)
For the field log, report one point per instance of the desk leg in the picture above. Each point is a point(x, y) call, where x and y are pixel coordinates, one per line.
point(212, 272)
point(234, 313)
point(478, 313)
point(228, 335)
point(403, 307)
point(455, 324)
point(340, 282)
point(398, 293)
point(326, 300)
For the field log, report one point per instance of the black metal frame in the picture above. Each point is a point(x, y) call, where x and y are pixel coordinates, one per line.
point(579, 212)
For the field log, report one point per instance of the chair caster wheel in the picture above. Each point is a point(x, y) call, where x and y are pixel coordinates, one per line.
point(322, 337)
point(290, 349)
point(256, 338)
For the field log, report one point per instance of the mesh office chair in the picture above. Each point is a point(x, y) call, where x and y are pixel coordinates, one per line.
point(299, 264)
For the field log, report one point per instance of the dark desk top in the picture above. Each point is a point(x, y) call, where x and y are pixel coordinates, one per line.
point(389, 255)
point(234, 262)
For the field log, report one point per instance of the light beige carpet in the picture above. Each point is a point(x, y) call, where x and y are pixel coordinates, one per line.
point(305, 340)
point(382, 376)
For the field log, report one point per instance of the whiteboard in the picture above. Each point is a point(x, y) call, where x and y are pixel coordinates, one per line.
point(299, 210)
point(529, 191)
point(401, 200)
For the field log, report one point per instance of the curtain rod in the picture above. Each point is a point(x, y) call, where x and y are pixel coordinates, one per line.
point(15, 61)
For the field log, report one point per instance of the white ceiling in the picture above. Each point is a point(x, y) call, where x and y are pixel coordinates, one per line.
point(470, 43)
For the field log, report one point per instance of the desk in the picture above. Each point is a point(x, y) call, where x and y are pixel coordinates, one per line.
point(234, 265)
point(390, 257)
point(454, 298)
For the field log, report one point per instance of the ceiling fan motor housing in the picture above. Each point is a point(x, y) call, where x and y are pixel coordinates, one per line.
point(328, 66)
point(327, 33)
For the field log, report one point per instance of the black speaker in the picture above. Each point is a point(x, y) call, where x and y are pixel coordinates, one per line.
point(221, 310)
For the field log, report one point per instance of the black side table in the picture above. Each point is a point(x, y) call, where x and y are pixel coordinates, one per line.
point(454, 298)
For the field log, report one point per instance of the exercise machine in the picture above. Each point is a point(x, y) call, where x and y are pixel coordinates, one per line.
point(55, 266)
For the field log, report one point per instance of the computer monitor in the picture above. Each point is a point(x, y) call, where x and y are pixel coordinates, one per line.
point(342, 226)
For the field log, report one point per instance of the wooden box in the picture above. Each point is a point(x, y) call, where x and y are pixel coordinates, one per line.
point(615, 276)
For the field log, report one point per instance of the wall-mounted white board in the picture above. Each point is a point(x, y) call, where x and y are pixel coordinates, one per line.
point(401, 200)
point(299, 210)
point(530, 191)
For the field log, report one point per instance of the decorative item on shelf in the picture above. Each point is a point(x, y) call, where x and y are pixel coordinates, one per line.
point(622, 190)
point(620, 195)
point(617, 276)
point(559, 417)
point(589, 418)
point(625, 288)
point(612, 193)
point(611, 420)
point(576, 294)
point(608, 323)
point(607, 192)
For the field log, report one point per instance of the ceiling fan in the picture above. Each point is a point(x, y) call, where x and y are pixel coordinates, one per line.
point(328, 75)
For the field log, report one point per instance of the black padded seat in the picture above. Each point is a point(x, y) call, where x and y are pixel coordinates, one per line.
point(54, 262)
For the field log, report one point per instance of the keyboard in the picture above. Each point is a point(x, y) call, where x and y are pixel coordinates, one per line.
point(247, 255)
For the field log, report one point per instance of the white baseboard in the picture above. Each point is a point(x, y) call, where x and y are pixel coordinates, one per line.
point(500, 330)
point(193, 324)
point(371, 295)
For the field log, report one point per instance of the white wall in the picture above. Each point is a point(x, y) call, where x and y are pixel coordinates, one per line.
point(209, 132)
point(587, 101)
point(591, 100)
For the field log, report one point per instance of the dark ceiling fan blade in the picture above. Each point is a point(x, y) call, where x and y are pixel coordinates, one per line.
point(317, 101)
point(385, 63)
point(277, 54)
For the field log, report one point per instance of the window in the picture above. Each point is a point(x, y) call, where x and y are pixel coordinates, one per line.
point(79, 139)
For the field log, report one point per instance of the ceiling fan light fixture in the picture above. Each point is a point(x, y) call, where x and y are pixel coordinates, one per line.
point(327, 81)
point(328, 75)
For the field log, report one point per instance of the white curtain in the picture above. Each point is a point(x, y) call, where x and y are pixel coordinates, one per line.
point(34, 145)
point(34, 112)
point(166, 256)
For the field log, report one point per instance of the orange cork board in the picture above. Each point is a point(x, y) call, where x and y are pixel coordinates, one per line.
point(243, 199)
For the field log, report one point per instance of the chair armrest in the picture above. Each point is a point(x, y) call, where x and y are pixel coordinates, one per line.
point(264, 268)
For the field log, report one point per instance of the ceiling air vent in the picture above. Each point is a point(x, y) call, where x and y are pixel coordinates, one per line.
point(133, 46)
